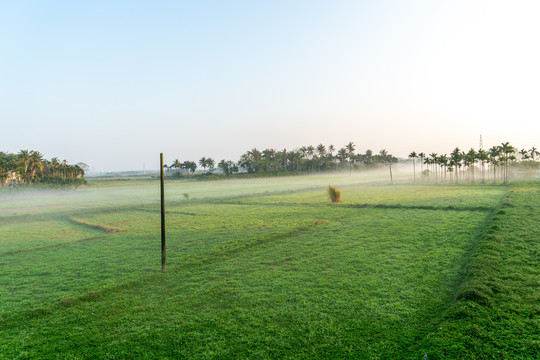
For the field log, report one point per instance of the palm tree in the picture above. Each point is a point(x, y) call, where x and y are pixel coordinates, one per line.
point(443, 162)
point(533, 153)
point(413, 155)
point(24, 155)
point(483, 157)
point(36, 162)
point(456, 156)
point(203, 163)
point(421, 156)
point(284, 157)
point(321, 151)
point(350, 152)
point(494, 152)
point(470, 159)
point(210, 164)
point(176, 164)
point(433, 162)
point(507, 149)
point(388, 160)
point(342, 156)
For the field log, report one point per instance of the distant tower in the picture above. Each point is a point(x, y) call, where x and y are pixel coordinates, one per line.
point(481, 144)
point(144, 164)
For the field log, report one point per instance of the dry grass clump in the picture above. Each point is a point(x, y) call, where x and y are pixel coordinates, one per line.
point(335, 193)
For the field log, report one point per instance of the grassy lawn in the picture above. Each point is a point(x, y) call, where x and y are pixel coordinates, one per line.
point(255, 270)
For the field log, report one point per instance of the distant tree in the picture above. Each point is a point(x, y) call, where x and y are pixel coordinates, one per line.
point(507, 150)
point(203, 163)
point(225, 166)
point(210, 164)
point(342, 156)
point(350, 153)
point(36, 163)
point(533, 152)
point(524, 154)
point(189, 166)
point(388, 160)
point(470, 159)
point(455, 158)
point(421, 156)
point(413, 155)
point(483, 158)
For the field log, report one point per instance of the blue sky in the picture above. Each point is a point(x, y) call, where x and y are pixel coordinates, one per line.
point(114, 83)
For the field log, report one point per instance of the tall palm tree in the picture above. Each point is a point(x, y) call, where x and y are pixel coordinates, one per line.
point(494, 152)
point(342, 156)
point(388, 160)
point(413, 155)
point(350, 152)
point(321, 151)
point(482, 157)
point(421, 156)
point(433, 162)
point(443, 162)
point(470, 160)
point(456, 156)
point(507, 150)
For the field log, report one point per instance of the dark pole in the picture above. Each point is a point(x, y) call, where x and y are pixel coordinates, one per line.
point(163, 256)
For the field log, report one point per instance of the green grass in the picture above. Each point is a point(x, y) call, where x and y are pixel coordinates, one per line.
point(262, 270)
point(496, 314)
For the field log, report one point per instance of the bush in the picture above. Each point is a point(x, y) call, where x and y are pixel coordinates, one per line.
point(335, 193)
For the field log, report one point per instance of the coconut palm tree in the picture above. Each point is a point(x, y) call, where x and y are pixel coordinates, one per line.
point(176, 164)
point(210, 164)
point(36, 163)
point(202, 162)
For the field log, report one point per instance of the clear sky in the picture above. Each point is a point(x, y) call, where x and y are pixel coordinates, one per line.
point(114, 83)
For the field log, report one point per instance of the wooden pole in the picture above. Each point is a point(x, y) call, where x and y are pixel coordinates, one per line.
point(163, 255)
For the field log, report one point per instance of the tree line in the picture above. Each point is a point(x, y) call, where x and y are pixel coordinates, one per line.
point(30, 167)
point(493, 163)
point(306, 159)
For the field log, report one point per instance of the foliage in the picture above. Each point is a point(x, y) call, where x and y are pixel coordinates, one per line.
point(29, 167)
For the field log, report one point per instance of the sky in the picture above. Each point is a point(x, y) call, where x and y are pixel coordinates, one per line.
point(114, 83)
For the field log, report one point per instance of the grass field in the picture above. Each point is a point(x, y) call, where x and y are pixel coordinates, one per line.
point(263, 269)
